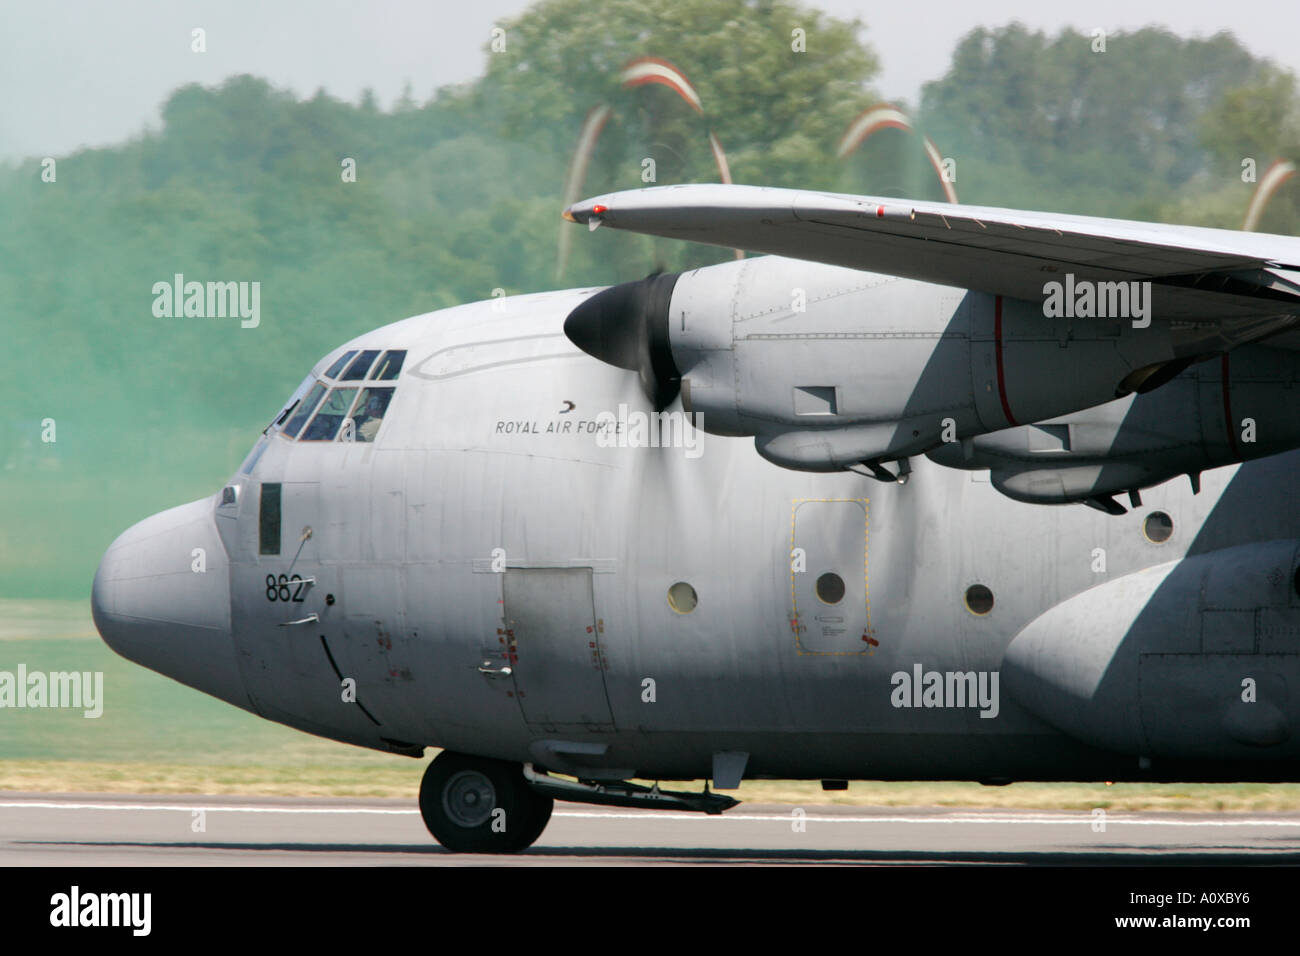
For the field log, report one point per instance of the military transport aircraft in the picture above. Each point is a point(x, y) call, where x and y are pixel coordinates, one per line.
point(891, 502)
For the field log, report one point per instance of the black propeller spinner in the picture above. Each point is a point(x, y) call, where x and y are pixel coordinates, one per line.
point(627, 326)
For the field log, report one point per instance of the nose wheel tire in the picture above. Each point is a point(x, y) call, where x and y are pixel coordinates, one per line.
point(479, 805)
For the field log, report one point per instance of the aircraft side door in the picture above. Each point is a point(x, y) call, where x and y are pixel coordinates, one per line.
point(828, 582)
point(558, 671)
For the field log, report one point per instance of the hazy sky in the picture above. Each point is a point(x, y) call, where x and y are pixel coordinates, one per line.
point(90, 72)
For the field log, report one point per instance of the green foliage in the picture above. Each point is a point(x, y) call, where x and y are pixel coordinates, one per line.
point(1258, 120)
point(778, 113)
point(1077, 129)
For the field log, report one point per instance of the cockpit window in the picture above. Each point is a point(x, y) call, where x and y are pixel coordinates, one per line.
point(360, 366)
point(305, 408)
point(332, 412)
point(389, 365)
point(338, 366)
point(369, 412)
point(318, 411)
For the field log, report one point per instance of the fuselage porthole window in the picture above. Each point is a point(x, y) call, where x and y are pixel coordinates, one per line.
point(1158, 527)
point(682, 598)
point(979, 599)
point(830, 588)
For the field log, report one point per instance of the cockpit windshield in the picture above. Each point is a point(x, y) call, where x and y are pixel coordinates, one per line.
point(329, 411)
point(305, 408)
point(338, 365)
point(360, 366)
point(320, 410)
point(325, 424)
point(389, 366)
point(369, 412)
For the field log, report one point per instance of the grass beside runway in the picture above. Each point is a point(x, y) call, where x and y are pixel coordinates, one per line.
point(383, 776)
point(157, 736)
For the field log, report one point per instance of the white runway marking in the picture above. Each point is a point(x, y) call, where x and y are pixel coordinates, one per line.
point(994, 817)
point(189, 807)
point(1081, 818)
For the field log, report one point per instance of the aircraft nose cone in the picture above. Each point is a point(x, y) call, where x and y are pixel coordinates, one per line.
point(161, 598)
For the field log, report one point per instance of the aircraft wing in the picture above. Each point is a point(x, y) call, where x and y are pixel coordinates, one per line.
point(1245, 284)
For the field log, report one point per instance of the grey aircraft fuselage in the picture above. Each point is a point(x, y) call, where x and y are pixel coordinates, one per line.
point(488, 577)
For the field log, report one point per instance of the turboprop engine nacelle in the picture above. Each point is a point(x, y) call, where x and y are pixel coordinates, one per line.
point(830, 368)
point(1237, 407)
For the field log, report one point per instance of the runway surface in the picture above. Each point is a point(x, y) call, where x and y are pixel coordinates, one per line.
point(125, 830)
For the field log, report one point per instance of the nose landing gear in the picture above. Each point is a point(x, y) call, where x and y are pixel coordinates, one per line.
point(479, 805)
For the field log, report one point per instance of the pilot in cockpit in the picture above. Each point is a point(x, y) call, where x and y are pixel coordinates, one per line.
point(371, 414)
